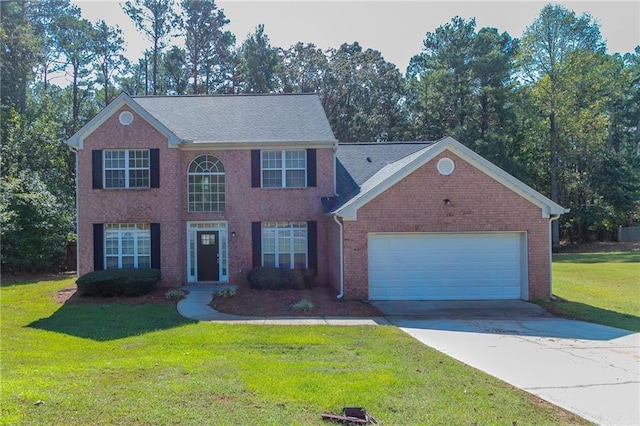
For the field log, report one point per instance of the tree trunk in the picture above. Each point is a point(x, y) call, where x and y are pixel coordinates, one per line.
point(553, 175)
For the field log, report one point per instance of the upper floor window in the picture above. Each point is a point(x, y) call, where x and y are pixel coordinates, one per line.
point(284, 169)
point(206, 185)
point(126, 168)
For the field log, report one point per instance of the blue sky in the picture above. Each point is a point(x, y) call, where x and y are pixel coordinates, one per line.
point(395, 28)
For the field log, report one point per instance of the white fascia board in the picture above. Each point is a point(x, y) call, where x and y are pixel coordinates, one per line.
point(276, 144)
point(349, 210)
point(77, 140)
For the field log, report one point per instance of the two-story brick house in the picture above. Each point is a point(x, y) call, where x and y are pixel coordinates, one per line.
point(207, 187)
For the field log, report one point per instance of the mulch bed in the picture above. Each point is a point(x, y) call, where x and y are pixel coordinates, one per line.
point(156, 296)
point(272, 303)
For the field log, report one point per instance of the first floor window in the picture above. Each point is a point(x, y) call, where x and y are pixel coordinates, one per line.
point(128, 168)
point(284, 244)
point(127, 245)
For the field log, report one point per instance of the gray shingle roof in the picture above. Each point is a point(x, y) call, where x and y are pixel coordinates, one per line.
point(363, 165)
point(363, 160)
point(241, 118)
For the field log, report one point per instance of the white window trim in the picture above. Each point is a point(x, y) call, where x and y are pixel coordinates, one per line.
point(120, 231)
point(291, 227)
point(127, 169)
point(283, 169)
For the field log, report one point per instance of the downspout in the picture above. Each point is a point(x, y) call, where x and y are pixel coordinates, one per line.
point(341, 295)
point(551, 219)
point(335, 166)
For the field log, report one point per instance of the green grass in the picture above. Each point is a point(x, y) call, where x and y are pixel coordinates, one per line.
point(598, 287)
point(146, 365)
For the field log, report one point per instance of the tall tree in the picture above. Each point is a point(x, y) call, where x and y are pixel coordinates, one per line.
point(444, 69)
point(74, 36)
point(206, 41)
point(304, 69)
point(176, 70)
point(363, 95)
point(45, 16)
point(155, 19)
point(554, 34)
point(108, 45)
point(258, 64)
point(21, 51)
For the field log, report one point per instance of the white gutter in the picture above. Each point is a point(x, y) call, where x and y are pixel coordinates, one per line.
point(341, 295)
point(551, 219)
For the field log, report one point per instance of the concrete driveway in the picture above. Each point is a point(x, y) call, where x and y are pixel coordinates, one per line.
point(589, 369)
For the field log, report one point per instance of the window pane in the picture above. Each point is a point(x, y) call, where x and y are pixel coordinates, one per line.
point(139, 178)
point(144, 244)
point(295, 159)
point(300, 260)
point(269, 260)
point(271, 159)
point(112, 263)
point(144, 262)
point(127, 262)
point(114, 179)
point(296, 179)
point(272, 179)
point(284, 260)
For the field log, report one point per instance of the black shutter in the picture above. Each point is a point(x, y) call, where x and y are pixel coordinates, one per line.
point(154, 168)
point(312, 245)
point(98, 247)
point(255, 168)
point(96, 168)
point(155, 245)
point(256, 243)
point(311, 167)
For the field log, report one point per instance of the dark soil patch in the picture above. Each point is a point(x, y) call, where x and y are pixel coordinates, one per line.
point(600, 247)
point(272, 303)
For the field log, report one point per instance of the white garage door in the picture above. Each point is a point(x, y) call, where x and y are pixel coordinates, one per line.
point(446, 266)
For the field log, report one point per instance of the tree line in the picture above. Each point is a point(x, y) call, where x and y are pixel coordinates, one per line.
point(553, 108)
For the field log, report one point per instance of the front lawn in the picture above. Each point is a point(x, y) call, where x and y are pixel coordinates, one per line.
point(598, 287)
point(108, 363)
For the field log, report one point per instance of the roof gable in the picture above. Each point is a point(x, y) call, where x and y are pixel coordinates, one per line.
point(392, 173)
point(77, 140)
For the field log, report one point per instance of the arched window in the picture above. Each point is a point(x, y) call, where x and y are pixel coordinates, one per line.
point(206, 184)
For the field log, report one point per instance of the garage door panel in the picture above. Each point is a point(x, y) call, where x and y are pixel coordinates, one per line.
point(445, 266)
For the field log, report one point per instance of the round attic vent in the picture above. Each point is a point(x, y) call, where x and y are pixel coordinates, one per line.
point(446, 166)
point(125, 118)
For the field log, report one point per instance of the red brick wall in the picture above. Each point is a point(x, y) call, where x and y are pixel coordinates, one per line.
point(167, 205)
point(416, 204)
point(245, 204)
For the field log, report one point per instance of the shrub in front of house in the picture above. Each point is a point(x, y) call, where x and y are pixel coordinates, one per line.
point(269, 278)
point(118, 282)
point(175, 294)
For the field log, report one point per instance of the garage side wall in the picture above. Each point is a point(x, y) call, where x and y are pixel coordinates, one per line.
point(478, 203)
